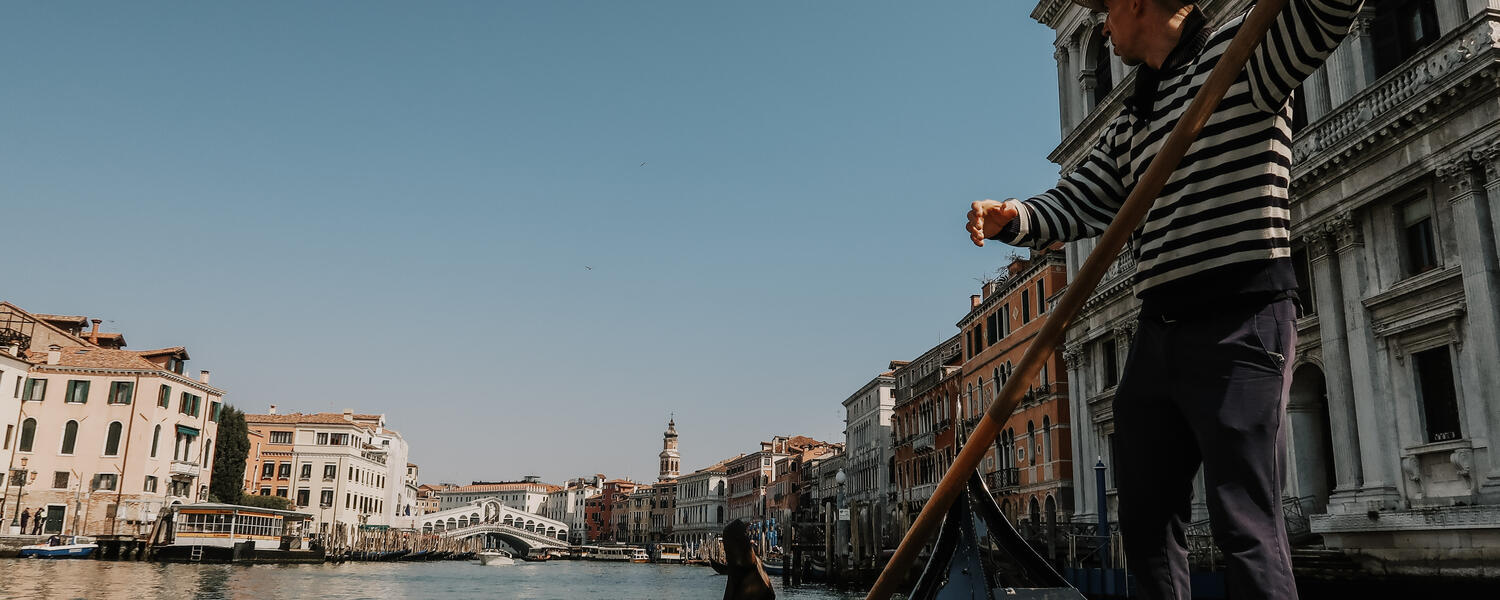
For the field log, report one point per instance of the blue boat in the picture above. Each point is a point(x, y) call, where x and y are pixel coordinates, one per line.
point(55, 548)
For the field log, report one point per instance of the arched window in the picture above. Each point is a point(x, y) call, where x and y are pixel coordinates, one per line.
point(112, 439)
point(70, 437)
point(155, 440)
point(1103, 77)
point(28, 434)
point(1031, 440)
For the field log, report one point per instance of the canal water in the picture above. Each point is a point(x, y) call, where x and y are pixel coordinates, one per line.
point(438, 580)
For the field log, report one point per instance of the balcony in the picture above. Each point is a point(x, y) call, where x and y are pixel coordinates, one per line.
point(1405, 97)
point(181, 468)
point(1004, 481)
point(922, 441)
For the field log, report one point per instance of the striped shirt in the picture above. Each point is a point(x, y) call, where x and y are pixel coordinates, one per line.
point(1223, 214)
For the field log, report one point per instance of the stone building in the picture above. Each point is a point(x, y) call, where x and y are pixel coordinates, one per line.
point(870, 461)
point(1394, 184)
point(599, 510)
point(567, 505)
point(702, 506)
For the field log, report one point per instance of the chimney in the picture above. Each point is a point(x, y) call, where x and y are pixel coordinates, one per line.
point(272, 411)
point(348, 414)
point(94, 335)
point(973, 301)
point(54, 354)
point(203, 376)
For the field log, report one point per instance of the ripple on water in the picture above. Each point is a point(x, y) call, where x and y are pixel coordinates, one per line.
point(438, 581)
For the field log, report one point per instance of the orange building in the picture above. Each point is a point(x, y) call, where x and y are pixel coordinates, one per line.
point(599, 510)
point(1030, 470)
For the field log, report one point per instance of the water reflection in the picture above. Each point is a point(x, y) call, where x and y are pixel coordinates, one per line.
point(445, 580)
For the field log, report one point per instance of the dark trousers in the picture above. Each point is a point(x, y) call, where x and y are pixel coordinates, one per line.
point(1208, 389)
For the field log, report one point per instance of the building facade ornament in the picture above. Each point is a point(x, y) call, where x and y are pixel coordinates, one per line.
point(1318, 243)
point(1411, 468)
point(1125, 331)
point(1074, 356)
point(1461, 175)
point(1463, 463)
point(1345, 231)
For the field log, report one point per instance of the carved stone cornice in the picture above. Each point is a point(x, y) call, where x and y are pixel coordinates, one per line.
point(1061, 54)
point(1488, 156)
point(1125, 331)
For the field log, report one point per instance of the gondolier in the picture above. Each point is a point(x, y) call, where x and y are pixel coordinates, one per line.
point(1207, 376)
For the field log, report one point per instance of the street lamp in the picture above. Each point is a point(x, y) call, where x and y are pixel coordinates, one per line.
point(19, 475)
point(843, 518)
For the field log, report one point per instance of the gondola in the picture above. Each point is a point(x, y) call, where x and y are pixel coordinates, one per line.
point(979, 555)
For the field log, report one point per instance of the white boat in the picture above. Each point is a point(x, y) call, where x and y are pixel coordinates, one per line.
point(496, 558)
point(71, 549)
point(639, 555)
point(615, 553)
point(669, 553)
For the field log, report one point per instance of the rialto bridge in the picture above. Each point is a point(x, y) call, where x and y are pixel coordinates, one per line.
point(521, 530)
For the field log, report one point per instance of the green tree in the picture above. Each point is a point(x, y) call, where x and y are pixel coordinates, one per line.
point(229, 456)
point(259, 501)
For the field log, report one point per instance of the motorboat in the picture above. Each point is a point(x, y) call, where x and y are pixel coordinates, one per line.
point(59, 547)
point(639, 555)
point(496, 558)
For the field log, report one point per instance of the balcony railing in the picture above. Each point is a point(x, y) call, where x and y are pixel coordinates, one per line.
point(185, 469)
point(1004, 480)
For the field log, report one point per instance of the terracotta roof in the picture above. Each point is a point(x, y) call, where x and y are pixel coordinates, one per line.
point(173, 350)
point(79, 319)
point(720, 466)
point(93, 357)
point(517, 486)
point(301, 419)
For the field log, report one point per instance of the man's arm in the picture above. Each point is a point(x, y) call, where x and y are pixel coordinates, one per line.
point(1081, 206)
point(1300, 40)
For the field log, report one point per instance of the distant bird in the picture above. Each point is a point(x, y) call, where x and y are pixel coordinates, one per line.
point(588, 267)
point(643, 164)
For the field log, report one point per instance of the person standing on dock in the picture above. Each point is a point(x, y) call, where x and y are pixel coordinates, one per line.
point(36, 524)
point(25, 520)
point(1206, 380)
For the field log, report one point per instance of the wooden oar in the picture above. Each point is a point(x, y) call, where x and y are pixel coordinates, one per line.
point(1131, 214)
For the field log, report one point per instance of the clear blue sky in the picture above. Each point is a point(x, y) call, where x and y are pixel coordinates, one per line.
point(390, 206)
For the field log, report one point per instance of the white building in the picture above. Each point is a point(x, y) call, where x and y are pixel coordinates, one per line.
point(527, 495)
point(869, 458)
point(566, 504)
point(12, 378)
point(105, 436)
point(329, 465)
point(702, 506)
point(1395, 195)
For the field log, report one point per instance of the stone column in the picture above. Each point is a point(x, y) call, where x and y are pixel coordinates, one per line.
point(1086, 83)
point(1316, 90)
point(1474, 181)
point(1064, 113)
point(1352, 66)
point(1451, 14)
point(1082, 424)
point(1372, 403)
point(1343, 426)
point(1078, 109)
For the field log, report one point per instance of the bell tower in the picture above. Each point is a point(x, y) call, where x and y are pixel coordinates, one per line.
point(669, 457)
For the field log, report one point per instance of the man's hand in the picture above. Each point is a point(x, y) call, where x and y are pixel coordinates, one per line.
point(988, 217)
